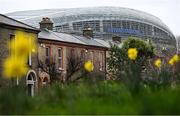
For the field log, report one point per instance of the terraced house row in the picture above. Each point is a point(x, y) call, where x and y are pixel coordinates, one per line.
point(56, 52)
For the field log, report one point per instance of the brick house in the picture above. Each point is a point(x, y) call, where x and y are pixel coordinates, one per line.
point(59, 47)
point(8, 27)
point(52, 47)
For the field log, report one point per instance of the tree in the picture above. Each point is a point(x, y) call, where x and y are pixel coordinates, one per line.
point(74, 65)
point(145, 49)
point(50, 69)
point(126, 70)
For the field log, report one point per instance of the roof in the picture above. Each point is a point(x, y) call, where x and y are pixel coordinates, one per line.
point(104, 43)
point(62, 16)
point(12, 22)
point(69, 38)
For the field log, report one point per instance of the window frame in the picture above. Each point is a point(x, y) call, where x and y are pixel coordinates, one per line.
point(101, 60)
point(60, 66)
point(48, 57)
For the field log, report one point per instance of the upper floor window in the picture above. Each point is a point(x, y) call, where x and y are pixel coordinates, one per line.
point(82, 55)
point(101, 60)
point(47, 52)
point(72, 52)
point(60, 58)
point(11, 37)
point(92, 56)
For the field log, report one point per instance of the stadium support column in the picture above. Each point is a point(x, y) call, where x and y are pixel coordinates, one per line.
point(152, 30)
point(71, 26)
point(101, 26)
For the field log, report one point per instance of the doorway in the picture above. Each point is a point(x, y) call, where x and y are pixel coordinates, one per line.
point(31, 80)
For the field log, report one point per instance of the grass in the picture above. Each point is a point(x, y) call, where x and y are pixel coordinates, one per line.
point(106, 97)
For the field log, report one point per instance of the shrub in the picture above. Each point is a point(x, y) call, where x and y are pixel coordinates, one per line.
point(129, 70)
point(145, 49)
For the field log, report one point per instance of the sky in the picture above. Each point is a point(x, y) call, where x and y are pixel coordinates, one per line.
point(167, 10)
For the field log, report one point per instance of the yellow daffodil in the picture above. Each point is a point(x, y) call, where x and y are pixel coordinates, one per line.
point(157, 63)
point(88, 66)
point(33, 50)
point(14, 68)
point(132, 53)
point(20, 45)
point(32, 43)
point(23, 44)
point(171, 61)
point(175, 58)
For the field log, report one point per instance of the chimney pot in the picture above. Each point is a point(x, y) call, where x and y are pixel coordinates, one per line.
point(46, 23)
point(88, 32)
point(116, 39)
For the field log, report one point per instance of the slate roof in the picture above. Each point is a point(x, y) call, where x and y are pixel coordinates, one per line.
point(104, 43)
point(69, 38)
point(12, 22)
point(89, 41)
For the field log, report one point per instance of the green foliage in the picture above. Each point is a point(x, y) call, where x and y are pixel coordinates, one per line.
point(14, 101)
point(145, 48)
point(119, 58)
point(127, 71)
point(107, 97)
point(134, 91)
point(116, 61)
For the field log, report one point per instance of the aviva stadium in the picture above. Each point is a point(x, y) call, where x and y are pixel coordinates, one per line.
point(106, 22)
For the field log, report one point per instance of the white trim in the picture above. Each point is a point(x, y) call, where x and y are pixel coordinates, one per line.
point(30, 61)
point(32, 82)
point(31, 71)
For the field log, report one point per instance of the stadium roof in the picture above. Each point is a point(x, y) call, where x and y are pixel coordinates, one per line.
point(62, 16)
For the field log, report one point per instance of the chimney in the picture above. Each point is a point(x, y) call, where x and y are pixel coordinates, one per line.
point(46, 23)
point(88, 32)
point(116, 39)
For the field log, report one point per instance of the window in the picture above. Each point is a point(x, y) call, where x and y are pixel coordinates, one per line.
point(11, 37)
point(47, 61)
point(101, 60)
point(60, 58)
point(47, 51)
point(92, 56)
point(72, 52)
point(82, 56)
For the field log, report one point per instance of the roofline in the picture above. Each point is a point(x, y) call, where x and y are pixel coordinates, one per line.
point(20, 27)
point(86, 38)
point(19, 22)
point(106, 48)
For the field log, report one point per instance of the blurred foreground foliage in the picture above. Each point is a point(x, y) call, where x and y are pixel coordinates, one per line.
point(135, 87)
point(105, 97)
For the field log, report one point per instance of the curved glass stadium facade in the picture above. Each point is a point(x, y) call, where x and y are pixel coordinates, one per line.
point(105, 22)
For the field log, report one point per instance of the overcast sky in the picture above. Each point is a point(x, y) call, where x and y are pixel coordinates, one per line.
point(167, 10)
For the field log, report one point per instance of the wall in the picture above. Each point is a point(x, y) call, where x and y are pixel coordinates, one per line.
point(7, 32)
point(91, 53)
point(4, 52)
